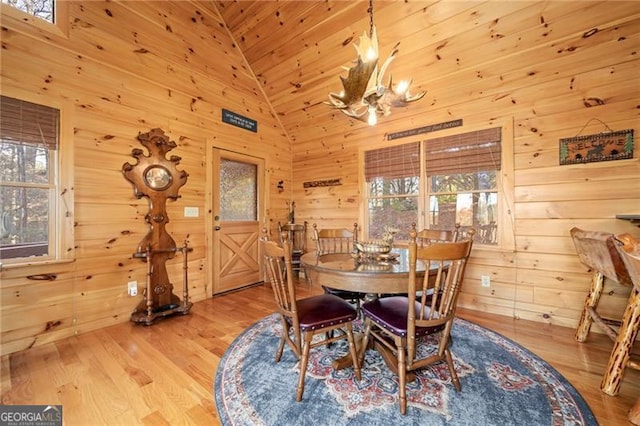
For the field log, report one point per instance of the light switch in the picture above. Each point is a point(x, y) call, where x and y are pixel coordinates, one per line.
point(191, 212)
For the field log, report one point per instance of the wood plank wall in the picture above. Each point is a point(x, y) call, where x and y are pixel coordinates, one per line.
point(549, 70)
point(534, 64)
point(125, 68)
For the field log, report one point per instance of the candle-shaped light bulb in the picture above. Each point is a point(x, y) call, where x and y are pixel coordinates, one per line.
point(373, 118)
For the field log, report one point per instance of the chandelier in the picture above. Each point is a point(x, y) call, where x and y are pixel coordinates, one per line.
point(364, 92)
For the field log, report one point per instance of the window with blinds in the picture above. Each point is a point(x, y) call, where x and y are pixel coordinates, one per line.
point(28, 151)
point(392, 175)
point(459, 176)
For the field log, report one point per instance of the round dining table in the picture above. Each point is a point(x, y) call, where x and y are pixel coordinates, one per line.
point(383, 274)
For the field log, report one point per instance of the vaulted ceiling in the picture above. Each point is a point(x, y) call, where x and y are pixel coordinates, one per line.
point(462, 53)
point(298, 49)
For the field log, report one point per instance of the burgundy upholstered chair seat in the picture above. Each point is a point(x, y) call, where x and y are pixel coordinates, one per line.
point(390, 313)
point(324, 310)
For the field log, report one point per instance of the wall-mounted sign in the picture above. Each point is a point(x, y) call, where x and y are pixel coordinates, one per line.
point(238, 120)
point(425, 129)
point(328, 182)
point(607, 146)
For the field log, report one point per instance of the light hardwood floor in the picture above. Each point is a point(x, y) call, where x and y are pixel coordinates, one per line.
point(131, 374)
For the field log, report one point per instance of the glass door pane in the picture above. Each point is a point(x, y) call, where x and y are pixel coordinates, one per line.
point(238, 191)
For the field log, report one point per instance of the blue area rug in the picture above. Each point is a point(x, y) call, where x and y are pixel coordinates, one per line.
point(502, 384)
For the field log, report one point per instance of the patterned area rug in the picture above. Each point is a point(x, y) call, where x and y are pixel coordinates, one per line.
point(502, 384)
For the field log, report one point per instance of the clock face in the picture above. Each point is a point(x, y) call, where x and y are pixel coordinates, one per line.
point(157, 177)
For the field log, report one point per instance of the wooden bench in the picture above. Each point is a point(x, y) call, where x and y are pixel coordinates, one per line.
point(629, 249)
point(598, 251)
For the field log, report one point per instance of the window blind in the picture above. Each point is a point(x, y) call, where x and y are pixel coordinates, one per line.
point(392, 162)
point(28, 123)
point(464, 153)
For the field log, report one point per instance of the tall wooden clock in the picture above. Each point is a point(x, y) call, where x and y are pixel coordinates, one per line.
point(157, 178)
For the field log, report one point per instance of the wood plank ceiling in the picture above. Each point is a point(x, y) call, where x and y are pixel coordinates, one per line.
point(298, 50)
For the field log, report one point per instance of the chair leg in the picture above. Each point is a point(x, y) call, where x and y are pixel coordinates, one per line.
point(283, 339)
point(622, 348)
point(354, 351)
point(402, 375)
point(365, 341)
point(303, 364)
point(584, 325)
point(280, 348)
point(452, 370)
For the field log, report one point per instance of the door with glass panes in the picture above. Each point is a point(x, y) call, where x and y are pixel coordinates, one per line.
point(237, 201)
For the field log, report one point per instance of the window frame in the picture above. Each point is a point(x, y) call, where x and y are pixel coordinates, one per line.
point(62, 203)
point(59, 26)
point(504, 182)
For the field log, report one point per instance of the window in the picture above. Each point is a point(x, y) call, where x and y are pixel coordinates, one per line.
point(437, 183)
point(40, 8)
point(392, 175)
point(48, 15)
point(462, 187)
point(35, 208)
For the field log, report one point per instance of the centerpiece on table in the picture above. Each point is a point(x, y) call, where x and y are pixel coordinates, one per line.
point(377, 249)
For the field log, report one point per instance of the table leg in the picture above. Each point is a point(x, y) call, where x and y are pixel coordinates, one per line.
point(388, 357)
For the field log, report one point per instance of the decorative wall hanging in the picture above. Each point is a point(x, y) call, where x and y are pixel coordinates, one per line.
point(606, 146)
point(425, 129)
point(156, 177)
point(318, 183)
point(238, 120)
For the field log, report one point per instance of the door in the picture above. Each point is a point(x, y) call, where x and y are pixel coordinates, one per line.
point(237, 211)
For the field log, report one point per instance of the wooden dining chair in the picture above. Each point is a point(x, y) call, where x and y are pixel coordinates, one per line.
point(598, 251)
point(431, 235)
point(629, 249)
point(337, 240)
point(395, 323)
point(297, 234)
point(304, 318)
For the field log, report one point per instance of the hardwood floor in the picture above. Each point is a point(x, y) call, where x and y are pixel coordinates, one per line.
point(130, 374)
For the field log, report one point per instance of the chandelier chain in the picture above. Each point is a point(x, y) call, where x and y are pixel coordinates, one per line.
point(370, 10)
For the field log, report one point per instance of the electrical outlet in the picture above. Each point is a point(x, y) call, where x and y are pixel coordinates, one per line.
point(485, 281)
point(132, 288)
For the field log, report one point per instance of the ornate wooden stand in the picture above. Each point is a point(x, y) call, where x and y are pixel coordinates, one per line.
point(146, 312)
point(156, 177)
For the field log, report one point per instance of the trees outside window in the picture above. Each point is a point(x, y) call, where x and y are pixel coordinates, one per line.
point(436, 183)
point(29, 136)
point(43, 9)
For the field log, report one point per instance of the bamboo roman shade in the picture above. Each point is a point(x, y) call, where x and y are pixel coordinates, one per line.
point(392, 162)
point(464, 153)
point(28, 123)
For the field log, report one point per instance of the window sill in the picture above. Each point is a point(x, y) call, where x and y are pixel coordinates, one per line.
point(11, 266)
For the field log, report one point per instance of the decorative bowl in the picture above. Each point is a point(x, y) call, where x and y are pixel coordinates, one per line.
point(373, 247)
